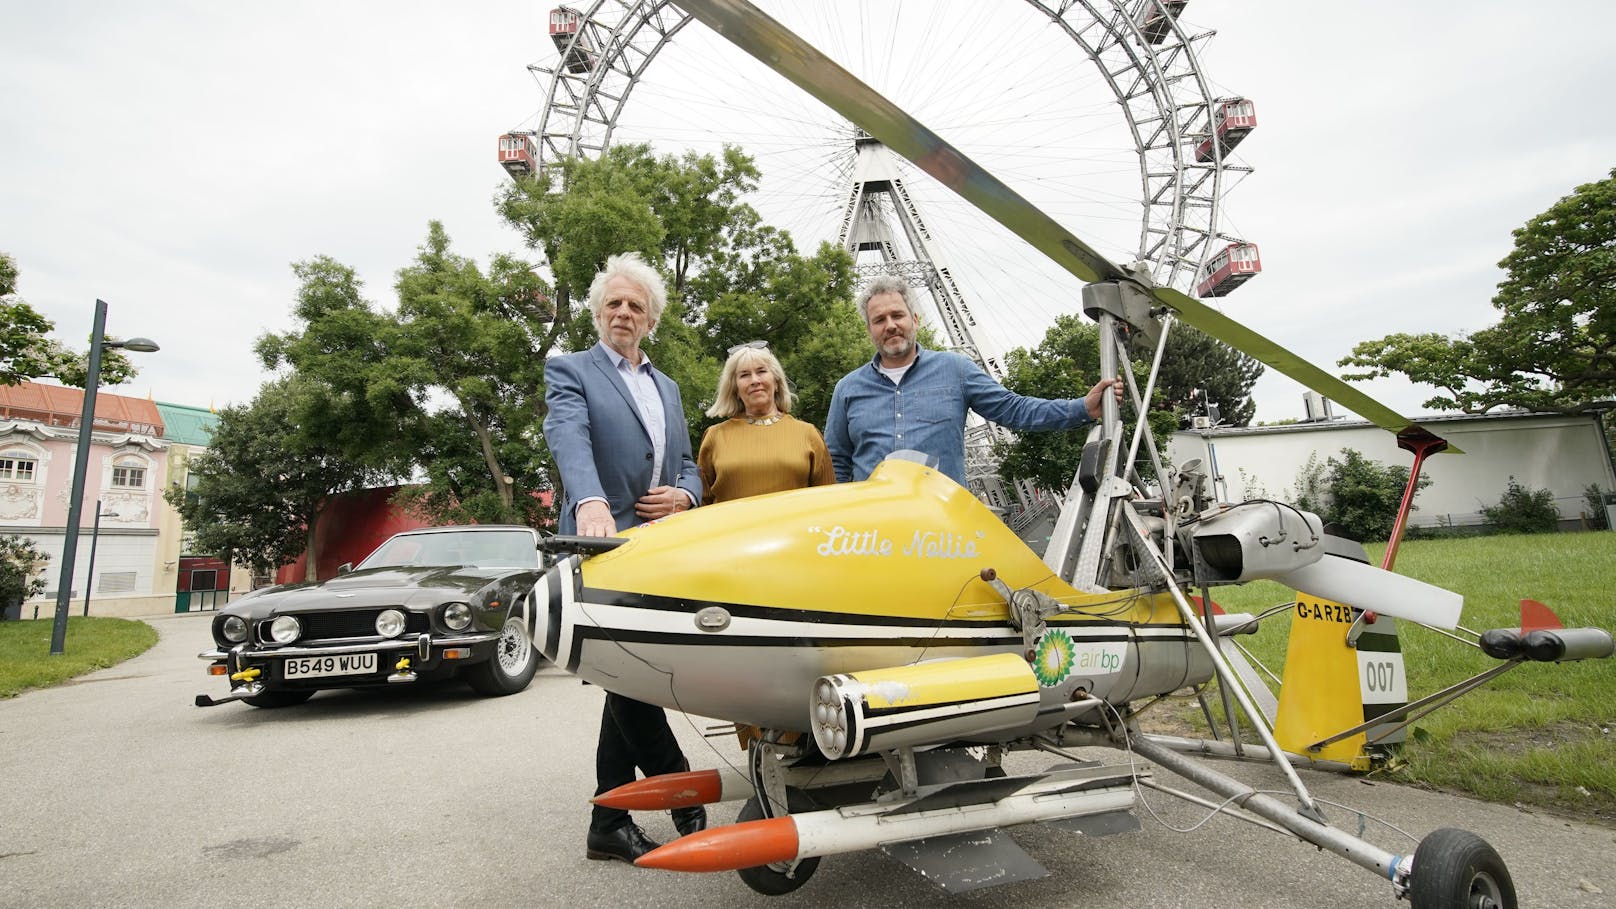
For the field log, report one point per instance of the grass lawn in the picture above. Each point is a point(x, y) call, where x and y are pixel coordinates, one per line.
point(91, 643)
point(1541, 734)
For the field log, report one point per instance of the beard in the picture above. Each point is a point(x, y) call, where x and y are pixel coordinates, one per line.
point(897, 346)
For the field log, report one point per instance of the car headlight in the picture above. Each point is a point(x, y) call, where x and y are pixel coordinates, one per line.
point(457, 616)
point(285, 629)
point(234, 629)
point(390, 623)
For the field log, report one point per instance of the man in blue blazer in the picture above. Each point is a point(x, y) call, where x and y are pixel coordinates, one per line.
point(617, 429)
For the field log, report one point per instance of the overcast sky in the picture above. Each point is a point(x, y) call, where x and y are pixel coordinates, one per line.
point(175, 158)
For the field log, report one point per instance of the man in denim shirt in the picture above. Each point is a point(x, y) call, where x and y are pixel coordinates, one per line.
point(910, 398)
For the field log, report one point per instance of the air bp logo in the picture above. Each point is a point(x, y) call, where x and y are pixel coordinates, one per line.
point(1052, 662)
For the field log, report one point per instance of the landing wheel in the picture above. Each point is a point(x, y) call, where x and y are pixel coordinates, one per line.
point(776, 879)
point(272, 699)
point(1455, 869)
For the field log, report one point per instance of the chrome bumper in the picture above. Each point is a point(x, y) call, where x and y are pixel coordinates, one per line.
point(421, 644)
point(236, 657)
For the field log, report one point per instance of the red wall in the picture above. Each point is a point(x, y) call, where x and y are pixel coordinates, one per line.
point(189, 564)
point(352, 526)
point(349, 529)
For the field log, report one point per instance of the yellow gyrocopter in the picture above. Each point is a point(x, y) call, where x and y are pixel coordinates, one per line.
point(894, 637)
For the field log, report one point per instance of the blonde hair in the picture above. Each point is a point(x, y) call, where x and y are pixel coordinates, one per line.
point(727, 403)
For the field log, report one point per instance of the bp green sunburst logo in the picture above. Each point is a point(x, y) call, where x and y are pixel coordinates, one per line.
point(1053, 661)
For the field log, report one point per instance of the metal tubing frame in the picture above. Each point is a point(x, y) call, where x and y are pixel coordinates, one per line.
point(1226, 675)
point(1422, 448)
point(1090, 559)
point(1141, 403)
point(1229, 716)
point(1219, 807)
point(1360, 852)
point(1249, 753)
point(1415, 710)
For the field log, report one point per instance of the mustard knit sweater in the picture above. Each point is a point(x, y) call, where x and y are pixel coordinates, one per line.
point(740, 459)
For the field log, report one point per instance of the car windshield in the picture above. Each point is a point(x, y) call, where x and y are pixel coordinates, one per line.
point(474, 548)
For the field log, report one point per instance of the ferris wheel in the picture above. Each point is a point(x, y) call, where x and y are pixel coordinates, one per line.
point(1099, 111)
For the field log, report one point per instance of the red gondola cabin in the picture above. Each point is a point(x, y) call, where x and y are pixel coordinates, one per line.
point(1232, 121)
point(1155, 20)
point(518, 155)
point(564, 25)
point(1234, 266)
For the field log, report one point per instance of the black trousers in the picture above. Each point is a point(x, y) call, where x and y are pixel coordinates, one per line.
point(632, 734)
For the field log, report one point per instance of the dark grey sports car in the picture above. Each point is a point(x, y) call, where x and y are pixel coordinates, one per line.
point(426, 604)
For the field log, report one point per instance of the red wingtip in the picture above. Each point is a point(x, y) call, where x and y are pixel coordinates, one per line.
point(665, 792)
point(1535, 615)
point(727, 848)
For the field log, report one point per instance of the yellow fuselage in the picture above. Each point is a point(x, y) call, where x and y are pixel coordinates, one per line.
point(732, 611)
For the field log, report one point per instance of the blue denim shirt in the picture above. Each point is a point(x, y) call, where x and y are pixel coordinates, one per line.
point(871, 418)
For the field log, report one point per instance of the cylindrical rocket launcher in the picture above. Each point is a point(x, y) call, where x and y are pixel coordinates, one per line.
point(1092, 790)
point(727, 784)
point(677, 790)
point(922, 704)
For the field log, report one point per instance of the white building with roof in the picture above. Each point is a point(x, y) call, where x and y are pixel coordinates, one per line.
point(1563, 454)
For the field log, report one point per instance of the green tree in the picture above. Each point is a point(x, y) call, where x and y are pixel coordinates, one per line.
point(477, 340)
point(28, 352)
point(448, 386)
point(626, 201)
point(801, 305)
point(598, 207)
point(1355, 497)
point(731, 278)
point(1554, 347)
point(362, 407)
point(1523, 510)
point(8, 275)
point(1065, 364)
point(21, 571)
point(264, 479)
point(1198, 368)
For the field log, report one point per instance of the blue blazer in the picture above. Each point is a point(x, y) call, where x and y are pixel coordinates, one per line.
point(600, 443)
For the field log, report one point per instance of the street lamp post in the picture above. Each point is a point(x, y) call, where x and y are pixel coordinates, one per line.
point(89, 573)
point(81, 462)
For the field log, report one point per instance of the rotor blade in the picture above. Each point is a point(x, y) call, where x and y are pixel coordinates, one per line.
point(755, 32)
point(1270, 353)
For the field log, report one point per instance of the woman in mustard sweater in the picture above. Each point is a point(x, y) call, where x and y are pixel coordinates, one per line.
point(761, 447)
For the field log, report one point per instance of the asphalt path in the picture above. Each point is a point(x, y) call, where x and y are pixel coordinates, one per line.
point(119, 792)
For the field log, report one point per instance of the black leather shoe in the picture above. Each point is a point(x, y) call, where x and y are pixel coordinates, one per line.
point(690, 820)
point(624, 844)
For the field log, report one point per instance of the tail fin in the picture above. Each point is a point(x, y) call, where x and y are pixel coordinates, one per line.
point(1536, 616)
point(1341, 671)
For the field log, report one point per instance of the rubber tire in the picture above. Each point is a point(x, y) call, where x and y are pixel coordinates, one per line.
point(771, 880)
point(269, 700)
point(1455, 869)
point(490, 677)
